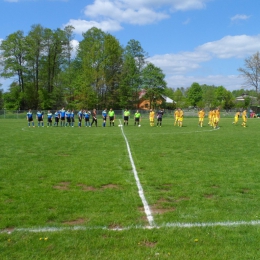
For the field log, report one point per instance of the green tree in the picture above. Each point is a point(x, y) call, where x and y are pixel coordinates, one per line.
point(194, 94)
point(134, 51)
point(153, 83)
point(14, 61)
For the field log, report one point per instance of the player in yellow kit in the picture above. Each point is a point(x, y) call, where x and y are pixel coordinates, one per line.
point(237, 115)
point(151, 117)
point(176, 116)
point(180, 120)
point(201, 115)
point(244, 118)
point(217, 118)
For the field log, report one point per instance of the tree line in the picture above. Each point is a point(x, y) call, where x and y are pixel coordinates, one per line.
point(102, 73)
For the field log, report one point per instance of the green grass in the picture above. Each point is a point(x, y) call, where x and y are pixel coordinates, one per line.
point(82, 177)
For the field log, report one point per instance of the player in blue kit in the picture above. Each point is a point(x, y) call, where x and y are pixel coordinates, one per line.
point(30, 118)
point(86, 115)
point(67, 115)
point(39, 117)
point(49, 118)
point(80, 114)
point(62, 117)
point(57, 118)
point(104, 116)
point(72, 118)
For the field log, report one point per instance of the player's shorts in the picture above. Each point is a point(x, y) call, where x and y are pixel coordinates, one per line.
point(180, 119)
point(126, 118)
point(30, 119)
point(57, 119)
point(176, 118)
point(68, 119)
point(201, 119)
point(159, 119)
point(72, 120)
point(244, 118)
point(62, 118)
point(104, 118)
point(49, 120)
point(151, 119)
point(236, 119)
point(137, 119)
point(40, 119)
point(111, 118)
point(87, 119)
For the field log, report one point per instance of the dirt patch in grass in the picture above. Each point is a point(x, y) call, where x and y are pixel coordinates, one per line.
point(148, 243)
point(215, 186)
point(91, 188)
point(243, 191)
point(87, 188)
point(62, 186)
point(157, 210)
point(208, 196)
point(9, 201)
point(75, 222)
point(110, 186)
point(182, 199)
point(162, 206)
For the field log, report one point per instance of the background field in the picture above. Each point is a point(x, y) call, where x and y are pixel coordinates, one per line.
point(75, 187)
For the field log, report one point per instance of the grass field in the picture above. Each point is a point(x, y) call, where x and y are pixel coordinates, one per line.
point(71, 193)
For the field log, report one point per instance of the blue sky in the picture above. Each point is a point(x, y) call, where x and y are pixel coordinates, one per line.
point(202, 41)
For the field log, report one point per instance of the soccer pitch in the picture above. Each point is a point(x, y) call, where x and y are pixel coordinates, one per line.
point(130, 192)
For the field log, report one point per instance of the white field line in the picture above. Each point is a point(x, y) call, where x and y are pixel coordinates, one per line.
point(166, 225)
point(138, 183)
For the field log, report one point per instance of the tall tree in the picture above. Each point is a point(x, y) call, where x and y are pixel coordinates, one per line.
point(251, 71)
point(195, 94)
point(153, 83)
point(14, 61)
point(134, 51)
point(35, 43)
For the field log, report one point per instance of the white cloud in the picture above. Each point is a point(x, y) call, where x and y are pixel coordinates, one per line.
point(108, 15)
point(74, 44)
point(179, 63)
point(120, 11)
point(230, 82)
point(178, 67)
point(239, 17)
point(82, 26)
point(238, 46)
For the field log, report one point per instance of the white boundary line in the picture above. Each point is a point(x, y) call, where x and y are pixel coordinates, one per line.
point(166, 225)
point(138, 183)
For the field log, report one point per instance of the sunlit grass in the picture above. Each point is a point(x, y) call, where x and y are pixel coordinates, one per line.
point(67, 177)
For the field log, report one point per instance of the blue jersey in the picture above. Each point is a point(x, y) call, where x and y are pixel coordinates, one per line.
point(30, 115)
point(68, 114)
point(39, 114)
point(86, 115)
point(57, 115)
point(49, 115)
point(72, 114)
point(62, 113)
point(80, 114)
point(104, 113)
